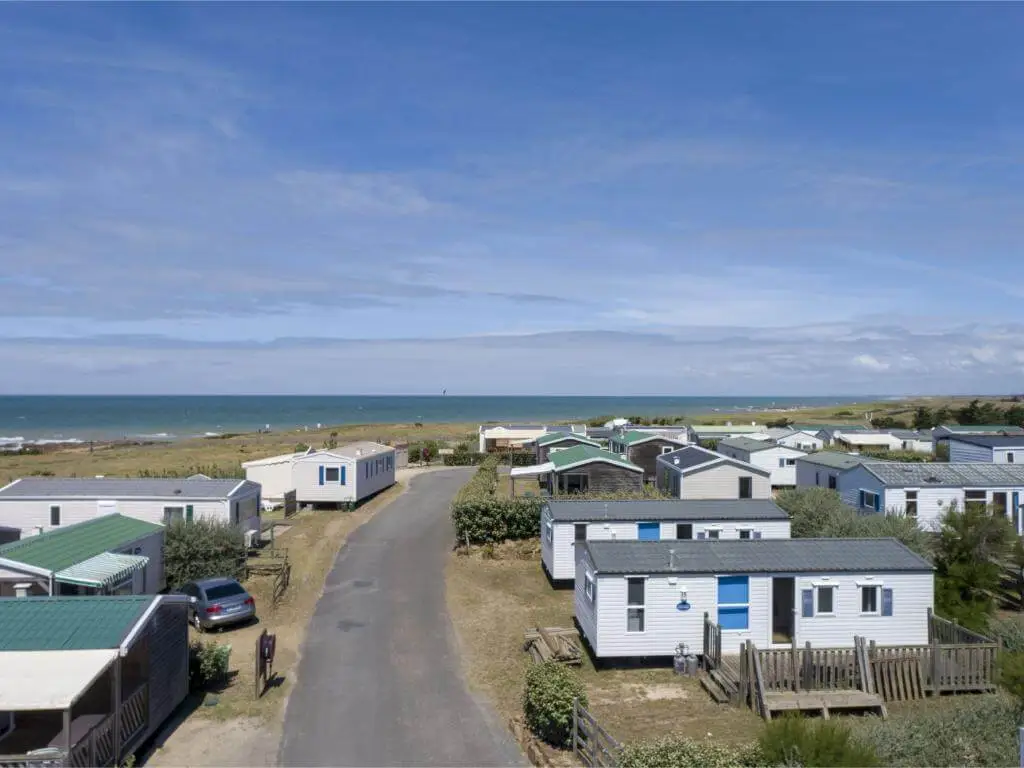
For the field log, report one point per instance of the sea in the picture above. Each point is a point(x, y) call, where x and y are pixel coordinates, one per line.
point(42, 418)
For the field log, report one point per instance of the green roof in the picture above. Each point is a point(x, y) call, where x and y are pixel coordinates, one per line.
point(636, 436)
point(582, 454)
point(61, 548)
point(555, 437)
point(969, 428)
point(68, 623)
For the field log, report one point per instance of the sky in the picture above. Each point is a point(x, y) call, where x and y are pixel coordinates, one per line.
point(616, 199)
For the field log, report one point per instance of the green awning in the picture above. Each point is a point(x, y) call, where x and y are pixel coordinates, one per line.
point(103, 571)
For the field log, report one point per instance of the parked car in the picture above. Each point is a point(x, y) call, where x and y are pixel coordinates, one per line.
point(218, 602)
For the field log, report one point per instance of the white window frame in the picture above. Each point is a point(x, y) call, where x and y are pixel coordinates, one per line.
point(817, 599)
point(712, 529)
point(549, 531)
point(586, 530)
point(668, 449)
point(171, 509)
point(748, 531)
point(336, 470)
point(878, 599)
point(58, 509)
point(641, 607)
point(984, 501)
point(1010, 458)
point(907, 500)
point(588, 585)
point(866, 493)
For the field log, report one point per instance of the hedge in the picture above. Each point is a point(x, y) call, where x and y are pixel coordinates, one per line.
point(461, 459)
point(683, 752)
point(548, 701)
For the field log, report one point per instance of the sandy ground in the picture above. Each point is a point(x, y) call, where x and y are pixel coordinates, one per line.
point(241, 730)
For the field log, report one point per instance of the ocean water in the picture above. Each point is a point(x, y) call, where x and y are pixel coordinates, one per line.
point(172, 417)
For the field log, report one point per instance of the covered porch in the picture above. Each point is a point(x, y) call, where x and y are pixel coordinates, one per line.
point(72, 708)
point(537, 477)
point(108, 573)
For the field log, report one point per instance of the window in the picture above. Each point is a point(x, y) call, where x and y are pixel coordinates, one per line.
point(635, 604)
point(910, 508)
point(588, 586)
point(714, 533)
point(869, 599)
point(733, 602)
point(54, 515)
point(684, 530)
point(549, 533)
point(784, 462)
point(173, 513)
point(745, 533)
point(234, 513)
point(817, 478)
point(870, 500)
point(580, 532)
point(190, 511)
point(221, 591)
point(1009, 457)
point(669, 449)
point(332, 474)
point(975, 500)
point(746, 487)
point(366, 470)
point(832, 482)
point(574, 483)
point(826, 598)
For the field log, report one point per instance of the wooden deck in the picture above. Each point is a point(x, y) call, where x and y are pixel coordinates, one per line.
point(821, 702)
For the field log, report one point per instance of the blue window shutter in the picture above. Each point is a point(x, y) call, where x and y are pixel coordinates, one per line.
point(188, 513)
point(887, 602)
point(321, 475)
point(757, 534)
point(701, 535)
point(342, 474)
point(860, 503)
point(807, 602)
point(878, 502)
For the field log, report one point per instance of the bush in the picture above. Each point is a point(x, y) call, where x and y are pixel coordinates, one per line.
point(796, 741)
point(1009, 632)
point(681, 752)
point(202, 549)
point(463, 459)
point(415, 454)
point(518, 458)
point(548, 699)
point(966, 730)
point(820, 513)
point(207, 665)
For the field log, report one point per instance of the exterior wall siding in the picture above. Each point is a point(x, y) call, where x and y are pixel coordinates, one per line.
point(150, 579)
point(723, 482)
point(967, 452)
point(33, 515)
point(586, 610)
point(810, 475)
point(604, 478)
point(646, 455)
point(1002, 455)
point(769, 460)
point(381, 474)
point(306, 474)
point(803, 441)
point(167, 638)
point(666, 626)
point(276, 479)
point(852, 481)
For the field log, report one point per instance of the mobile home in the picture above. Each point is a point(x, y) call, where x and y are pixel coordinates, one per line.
point(38, 504)
point(779, 460)
point(644, 448)
point(987, 449)
point(697, 473)
point(564, 524)
point(645, 598)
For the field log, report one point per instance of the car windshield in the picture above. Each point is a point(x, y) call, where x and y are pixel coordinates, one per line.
point(223, 590)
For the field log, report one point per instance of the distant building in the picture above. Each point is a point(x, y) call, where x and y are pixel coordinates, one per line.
point(779, 460)
point(822, 469)
point(698, 473)
point(987, 449)
point(643, 448)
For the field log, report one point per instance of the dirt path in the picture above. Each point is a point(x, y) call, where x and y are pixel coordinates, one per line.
point(241, 730)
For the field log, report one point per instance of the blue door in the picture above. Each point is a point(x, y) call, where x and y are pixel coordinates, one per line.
point(648, 531)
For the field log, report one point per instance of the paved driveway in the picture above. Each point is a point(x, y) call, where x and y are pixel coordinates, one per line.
point(380, 682)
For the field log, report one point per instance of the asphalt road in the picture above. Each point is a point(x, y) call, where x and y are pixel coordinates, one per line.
point(379, 682)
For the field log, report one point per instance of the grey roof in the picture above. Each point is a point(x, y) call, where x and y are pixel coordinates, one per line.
point(755, 556)
point(675, 509)
point(594, 432)
point(991, 441)
point(835, 460)
point(693, 456)
point(909, 434)
point(748, 444)
point(981, 429)
point(966, 475)
point(122, 488)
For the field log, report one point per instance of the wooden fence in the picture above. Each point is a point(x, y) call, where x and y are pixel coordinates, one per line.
point(712, 644)
point(948, 632)
point(592, 745)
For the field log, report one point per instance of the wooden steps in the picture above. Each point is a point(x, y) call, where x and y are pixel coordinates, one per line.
point(821, 702)
point(713, 689)
point(553, 644)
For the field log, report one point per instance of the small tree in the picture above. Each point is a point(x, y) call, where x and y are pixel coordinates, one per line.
point(331, 442)
point(201, 549)
point(548, 701)
point(969, 543)
point(415, 454)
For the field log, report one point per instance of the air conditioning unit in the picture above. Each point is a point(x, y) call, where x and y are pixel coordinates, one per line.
point(252, 538)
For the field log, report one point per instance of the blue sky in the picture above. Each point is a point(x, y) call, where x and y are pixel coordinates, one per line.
point(566, 199)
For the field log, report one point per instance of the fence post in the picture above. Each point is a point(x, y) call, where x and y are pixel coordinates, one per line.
point(575, 725)
point(936, 665)
point(796, 669)
point(931, 625)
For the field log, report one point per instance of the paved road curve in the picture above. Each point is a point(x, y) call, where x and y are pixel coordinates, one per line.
point(379, 682)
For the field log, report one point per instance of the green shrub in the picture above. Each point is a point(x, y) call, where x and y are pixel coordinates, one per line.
point(201, 549)
point(796, 741)
point(463, 459)
point(518, 458)
point(415, 454)
point(207, 665)
point(681, 752)
point(1009, 632)
point(966, 730)
point(548, 701)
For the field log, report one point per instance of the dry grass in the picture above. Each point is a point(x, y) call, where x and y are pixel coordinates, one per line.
point(492, 602)
point(524, 485)
point(181, 455)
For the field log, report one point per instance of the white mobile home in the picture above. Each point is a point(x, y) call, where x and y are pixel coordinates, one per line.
point(924, 491)
point(564, 524)
point(914, 440)
point(822, 469)
point(38, 504)
point(644, 598)
point(987, 449)
point(697, 473)
point(946, 431)
point(112, 554)
point(343, 475)
point(500, 437)
point(779, 460)
point(797, 438)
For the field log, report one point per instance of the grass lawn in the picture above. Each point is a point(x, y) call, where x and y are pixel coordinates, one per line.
point(492, 602)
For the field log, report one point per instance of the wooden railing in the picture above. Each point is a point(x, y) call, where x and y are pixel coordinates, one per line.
point(592, 745)
point(134, 715)
point(712, 654)
point(948, 632)
point(31, 761)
